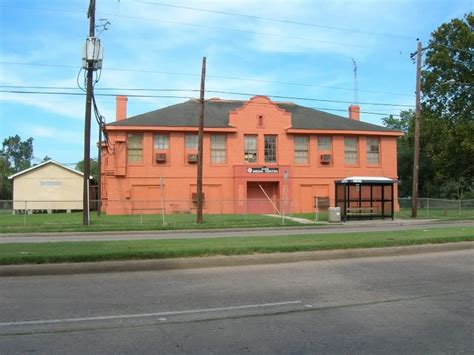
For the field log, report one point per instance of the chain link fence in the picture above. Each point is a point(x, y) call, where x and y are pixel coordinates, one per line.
point(159, 214)
point(175, 214)
point(437, 208)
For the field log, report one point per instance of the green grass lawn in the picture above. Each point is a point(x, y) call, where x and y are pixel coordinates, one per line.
point(58, 252)
point(72, 222)
point(59, 222)
point(438, 213)
point(405, 213)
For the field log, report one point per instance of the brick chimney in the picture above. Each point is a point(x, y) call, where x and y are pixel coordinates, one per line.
point(121, 107)
point(354, 112)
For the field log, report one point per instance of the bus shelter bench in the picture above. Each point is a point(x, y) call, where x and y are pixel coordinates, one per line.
point(361, 211)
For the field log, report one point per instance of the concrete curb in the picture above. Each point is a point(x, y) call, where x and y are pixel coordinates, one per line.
point(222, 261)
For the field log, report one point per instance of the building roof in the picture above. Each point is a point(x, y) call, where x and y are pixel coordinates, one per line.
point(216, 113)
point(43, 164)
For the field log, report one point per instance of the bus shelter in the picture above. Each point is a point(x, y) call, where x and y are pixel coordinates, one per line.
point(361, 197)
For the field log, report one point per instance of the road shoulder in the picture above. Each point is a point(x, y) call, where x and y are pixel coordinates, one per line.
point(222, 261)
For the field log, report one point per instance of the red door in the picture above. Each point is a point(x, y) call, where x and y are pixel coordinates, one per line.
point(258, 202)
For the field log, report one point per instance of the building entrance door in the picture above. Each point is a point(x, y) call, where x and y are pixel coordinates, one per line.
point(258, 202)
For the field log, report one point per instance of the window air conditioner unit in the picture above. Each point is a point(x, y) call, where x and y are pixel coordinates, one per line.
point(325, 158)
point(192, 158)
point(194, 197)
point(160, 157)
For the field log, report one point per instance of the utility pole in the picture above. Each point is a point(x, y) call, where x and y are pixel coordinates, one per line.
point(87, 125)
point(200, 145)
point(416, 153)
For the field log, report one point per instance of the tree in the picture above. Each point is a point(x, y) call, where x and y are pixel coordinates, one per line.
point(18, 153)
point(16, 156)
point(447, 123)
point(94, 168)
point(404, 149)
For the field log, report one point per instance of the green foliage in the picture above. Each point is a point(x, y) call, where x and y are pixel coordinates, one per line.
point(16, 156)
point(18, 153)
point(447, 122)
point(94, 168)
point(404, 149)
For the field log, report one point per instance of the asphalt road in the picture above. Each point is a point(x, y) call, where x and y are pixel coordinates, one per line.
point(405, 304)
point(350, 227)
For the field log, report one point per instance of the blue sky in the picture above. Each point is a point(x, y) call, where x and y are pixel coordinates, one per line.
point(149, 45)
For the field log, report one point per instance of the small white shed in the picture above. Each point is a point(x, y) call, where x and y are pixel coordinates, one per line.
point(49, 187)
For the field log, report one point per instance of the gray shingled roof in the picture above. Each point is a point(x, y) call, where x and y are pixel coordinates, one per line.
point(216, 113)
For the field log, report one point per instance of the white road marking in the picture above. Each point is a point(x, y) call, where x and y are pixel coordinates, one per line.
point(143, 315)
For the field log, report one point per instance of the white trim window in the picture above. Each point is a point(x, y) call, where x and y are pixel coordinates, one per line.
point(134, 147)
point(191, 141)
point(218, 148)
point(350, 150)
point(373, 149)
point(301, 144)
point(324, 143)
point(160, 141)
point(250, 148)
point(270, 148)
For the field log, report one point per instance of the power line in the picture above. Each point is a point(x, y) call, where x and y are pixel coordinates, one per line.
point(271, 19)
point(103, 89)
point(308, 98)
point(209, 91)
point(192, 98)
point(247, 31)
point(212, 76)
point(220, 28)
point(180, 90)
point(237, 30)
point(82, 94)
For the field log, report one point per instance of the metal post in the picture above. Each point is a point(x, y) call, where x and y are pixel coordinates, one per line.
point(317, 208)
point(162, 201)
point(392, 202)
point(285, 197)
point(99, 175)
point(383, 201)
point(246, 207)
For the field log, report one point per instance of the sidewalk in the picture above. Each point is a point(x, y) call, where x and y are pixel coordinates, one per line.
point(348, 227)
point(222, 261)
point(323, 227)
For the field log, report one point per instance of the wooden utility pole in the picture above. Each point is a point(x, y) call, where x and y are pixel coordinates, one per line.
point(416, 153)
point(87, 125)
point(200, 145)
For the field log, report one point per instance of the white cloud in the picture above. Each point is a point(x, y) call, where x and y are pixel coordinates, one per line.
point(52, 133)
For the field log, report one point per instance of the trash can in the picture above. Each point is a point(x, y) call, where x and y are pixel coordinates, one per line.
point(334, 214)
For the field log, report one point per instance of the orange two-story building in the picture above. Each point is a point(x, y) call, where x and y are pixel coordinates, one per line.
point(259, 156)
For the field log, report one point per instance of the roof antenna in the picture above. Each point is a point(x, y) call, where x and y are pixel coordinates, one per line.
point(356, 94)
